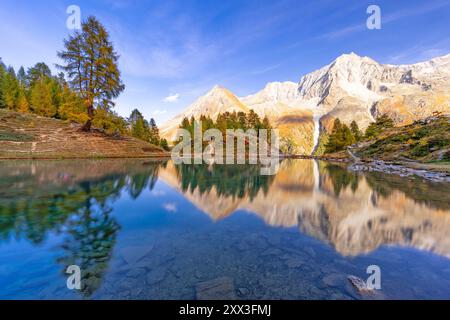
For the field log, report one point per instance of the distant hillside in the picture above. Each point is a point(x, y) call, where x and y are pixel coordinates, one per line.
point(427, 140)
point(28, 136)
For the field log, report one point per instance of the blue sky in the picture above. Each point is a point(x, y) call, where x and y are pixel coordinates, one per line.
point(174, 51)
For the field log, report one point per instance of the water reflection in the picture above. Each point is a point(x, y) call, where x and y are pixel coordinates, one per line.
point(353, 213)
point(73, 199)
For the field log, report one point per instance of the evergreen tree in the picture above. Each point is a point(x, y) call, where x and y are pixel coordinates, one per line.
point(2, 77)
point(341, 136)
point(22, 77)
point(91, 67)
point(41, 83)
point(382, 123)
point(139, 128)
point(10, 89)
point(253, 120)
point(335, 139)
point(242, 120)
point(39, 72)
point(357, 134)
point(164, 144)
point(185, 124)
point(154, 133)
point(266, 123)
point(347, 136)
point(221, 123)
point(61, 79)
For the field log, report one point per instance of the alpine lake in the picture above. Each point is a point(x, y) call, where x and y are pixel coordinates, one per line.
point(150, 229)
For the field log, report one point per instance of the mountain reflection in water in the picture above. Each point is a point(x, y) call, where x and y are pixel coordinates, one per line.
point(353, 213)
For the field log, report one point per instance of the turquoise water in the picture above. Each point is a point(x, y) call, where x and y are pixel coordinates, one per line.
point(141, 229)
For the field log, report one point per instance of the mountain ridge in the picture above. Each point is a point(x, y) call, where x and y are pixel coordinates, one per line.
point(351, 87)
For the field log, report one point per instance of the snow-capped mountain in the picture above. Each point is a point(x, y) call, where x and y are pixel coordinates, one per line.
point(351, 88)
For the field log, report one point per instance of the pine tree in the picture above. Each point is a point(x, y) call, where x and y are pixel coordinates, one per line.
point(341, 136)
point(139, 128)
point(242, 120)
point(10, 89)
point(108, 121)
point(41, 99)
point(164, 144)
point(221, 123)
point(192, 126)
point(382, 123)
point(40, 71)
point(154, 133)
point(71, 106)
point(347, 136)
point(92, 67)
point(185, 124)
point(335, 139)
point(253, 120)
point(2, 77)
point(22, 101)
point(266, 123)
point(357, 134)
point(22, 77)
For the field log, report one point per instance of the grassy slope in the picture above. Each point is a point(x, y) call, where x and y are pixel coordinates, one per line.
point(29, 136)
point(421, 145)
point(425, 141)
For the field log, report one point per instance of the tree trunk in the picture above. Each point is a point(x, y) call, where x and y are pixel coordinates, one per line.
point(87, 126)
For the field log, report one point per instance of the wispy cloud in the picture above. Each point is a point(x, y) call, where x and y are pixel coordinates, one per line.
point(421, 52)
point(172, 98)
point(159, 112)
point(158, 193)
point(170, 207)
point(171, 44)
point(387, 18)
point(265, 70)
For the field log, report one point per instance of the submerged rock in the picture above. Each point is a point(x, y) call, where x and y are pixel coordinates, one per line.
point(333, 280)
point(381, 166)
point(359, 284)
point(133, 254)
point(156, 275)
point(217, 289)
point(364, 292)
point(243, 292)
point(294, 262)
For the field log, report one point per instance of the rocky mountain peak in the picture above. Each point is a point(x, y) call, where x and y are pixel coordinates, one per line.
point(274, 92)
point(351, 87)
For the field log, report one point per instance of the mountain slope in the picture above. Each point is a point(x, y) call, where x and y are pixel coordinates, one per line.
point(25, 135)
point(351, 88)
point(216, 101)
point(426, 140)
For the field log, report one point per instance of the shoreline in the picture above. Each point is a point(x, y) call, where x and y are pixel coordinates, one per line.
point(100, 157)
point(431, 174)
point(436, 172)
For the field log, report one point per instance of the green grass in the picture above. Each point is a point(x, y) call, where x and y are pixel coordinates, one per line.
point(15, 136)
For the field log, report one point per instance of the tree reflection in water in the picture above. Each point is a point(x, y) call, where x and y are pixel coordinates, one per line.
point(351, 211)
point(80, 210)
point(236, 181)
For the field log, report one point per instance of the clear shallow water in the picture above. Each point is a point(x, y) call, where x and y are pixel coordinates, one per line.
point(150, 230)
